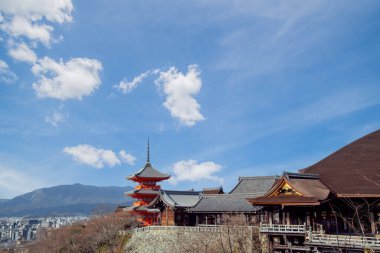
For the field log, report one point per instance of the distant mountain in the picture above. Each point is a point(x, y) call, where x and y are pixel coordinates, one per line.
point(65, 200)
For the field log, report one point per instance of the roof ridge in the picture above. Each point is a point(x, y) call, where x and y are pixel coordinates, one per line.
point(224, 195)
point(255, 177)
point(179, 191)
point(218, 187)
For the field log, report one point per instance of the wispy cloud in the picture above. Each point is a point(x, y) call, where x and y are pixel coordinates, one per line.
point(320, 110)
point(275, 35)
point(125, 86)
point(325, 108)
point(6, 75)
point(15, 182)
point(56, 118)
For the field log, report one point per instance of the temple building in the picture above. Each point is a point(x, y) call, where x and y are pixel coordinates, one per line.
point(332, 206)
point(210, 208)
point(207, 207)
point(146, 191)
point(173, 205)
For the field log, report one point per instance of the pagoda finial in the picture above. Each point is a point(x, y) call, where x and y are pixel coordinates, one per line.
point(148, 153)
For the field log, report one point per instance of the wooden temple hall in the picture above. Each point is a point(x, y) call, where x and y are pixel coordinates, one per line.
point(331, 206)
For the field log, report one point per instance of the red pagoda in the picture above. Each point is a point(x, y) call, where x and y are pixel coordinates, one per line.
point(146, 191)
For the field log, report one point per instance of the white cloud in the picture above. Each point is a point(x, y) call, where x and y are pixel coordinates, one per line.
point(21, 26)
point(99, 158)
point(53, 10)
point(56, 118)
point(94, 157)
point(73, 79)
point(191, 170)
point(6, 75)
point(127, 158)
point(125, 86)
point(13, 182)
point(22, 52)
point(179, 89)
point(26, 18)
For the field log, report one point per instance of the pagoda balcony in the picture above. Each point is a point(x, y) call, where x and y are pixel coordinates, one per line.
point(344, 241)
point(282, 229)
point(140, 203)
point(147, 186)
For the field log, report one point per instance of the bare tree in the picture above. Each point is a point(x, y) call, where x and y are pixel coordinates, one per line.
point(232, 236)
point(99, 234)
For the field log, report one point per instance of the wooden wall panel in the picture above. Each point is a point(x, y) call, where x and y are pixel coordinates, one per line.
point(167, 218)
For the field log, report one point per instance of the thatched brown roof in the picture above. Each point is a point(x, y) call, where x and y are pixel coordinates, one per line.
point(354, 170)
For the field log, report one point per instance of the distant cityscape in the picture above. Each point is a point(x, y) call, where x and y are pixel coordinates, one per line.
point(17, 230)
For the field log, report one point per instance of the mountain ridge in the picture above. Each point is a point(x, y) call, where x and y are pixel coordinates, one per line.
point(64, 200)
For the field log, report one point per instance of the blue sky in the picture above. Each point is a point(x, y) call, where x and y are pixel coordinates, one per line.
point(222, 88)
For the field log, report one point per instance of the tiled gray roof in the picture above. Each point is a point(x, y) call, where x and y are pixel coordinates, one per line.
point(141, 208)
point(180, 198)
point(253, 185)
point(149, 172)
point(224, 203)
point(144, 191)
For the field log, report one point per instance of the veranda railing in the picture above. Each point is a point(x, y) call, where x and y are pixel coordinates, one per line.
point(343, 241)
point(281, 228)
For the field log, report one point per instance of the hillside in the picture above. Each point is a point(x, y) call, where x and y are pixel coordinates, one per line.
point(64, 200)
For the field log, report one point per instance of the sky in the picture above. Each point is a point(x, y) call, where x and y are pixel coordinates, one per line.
point(221, 88)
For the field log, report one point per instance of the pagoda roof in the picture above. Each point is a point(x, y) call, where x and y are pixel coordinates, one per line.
point(354, 170)
point(148, 172)
point(224, 203)
point(177, 199)
point(253, 185)
point(143, 191)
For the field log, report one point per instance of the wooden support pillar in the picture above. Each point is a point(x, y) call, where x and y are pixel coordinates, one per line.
point(206, 220)
point(287, 218)
point(166, 210)
point(270, 218)
point(373, 224)
point(308, 223)
point(196, 220)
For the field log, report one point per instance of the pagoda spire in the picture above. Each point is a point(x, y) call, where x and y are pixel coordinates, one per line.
point(148, 153)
